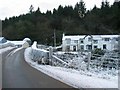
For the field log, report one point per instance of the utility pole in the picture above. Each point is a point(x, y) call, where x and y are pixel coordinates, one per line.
point(54, 38)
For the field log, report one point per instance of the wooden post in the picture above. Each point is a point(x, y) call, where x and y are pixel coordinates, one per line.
point(89, 58)
point(50, 55)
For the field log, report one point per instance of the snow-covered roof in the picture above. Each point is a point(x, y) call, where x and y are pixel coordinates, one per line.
point(109, 36)
point(1, 38)
point(77, 37)
point(74, 37)
point(26, 39)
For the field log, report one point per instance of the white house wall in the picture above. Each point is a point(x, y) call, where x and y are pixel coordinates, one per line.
point(111, 44)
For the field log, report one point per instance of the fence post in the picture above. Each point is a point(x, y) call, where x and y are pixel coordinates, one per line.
point(89, 58)
point(50, 55)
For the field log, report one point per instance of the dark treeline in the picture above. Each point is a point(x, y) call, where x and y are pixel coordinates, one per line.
point(70, 20)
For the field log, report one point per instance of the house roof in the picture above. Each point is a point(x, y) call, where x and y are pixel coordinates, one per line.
point(1, 38)
point(73, 37)
point(77, 37)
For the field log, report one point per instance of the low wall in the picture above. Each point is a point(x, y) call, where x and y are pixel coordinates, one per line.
point(37, 54)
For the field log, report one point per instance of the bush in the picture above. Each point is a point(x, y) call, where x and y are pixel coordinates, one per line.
point(99, 51)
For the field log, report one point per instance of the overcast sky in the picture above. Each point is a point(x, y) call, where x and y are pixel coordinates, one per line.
point(9, 8)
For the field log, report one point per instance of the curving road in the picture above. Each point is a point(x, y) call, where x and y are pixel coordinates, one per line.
point(18, 74)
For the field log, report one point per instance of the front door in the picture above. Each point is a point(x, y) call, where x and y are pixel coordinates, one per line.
point(74, 48)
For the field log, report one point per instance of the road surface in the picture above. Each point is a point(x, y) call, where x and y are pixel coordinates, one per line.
point(17, 73)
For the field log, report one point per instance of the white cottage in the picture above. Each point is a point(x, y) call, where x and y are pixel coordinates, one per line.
point(89, 42)
point(25, 43)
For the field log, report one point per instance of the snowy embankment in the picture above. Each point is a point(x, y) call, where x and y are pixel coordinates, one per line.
point(5, 49)
point(77, 79)
point(6, 46)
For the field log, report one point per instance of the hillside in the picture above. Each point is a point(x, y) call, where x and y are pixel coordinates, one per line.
point(70, 20)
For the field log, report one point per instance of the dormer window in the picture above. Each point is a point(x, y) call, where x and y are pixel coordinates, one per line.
point(89, 39)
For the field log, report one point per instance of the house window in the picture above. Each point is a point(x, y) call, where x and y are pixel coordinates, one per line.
point(95, 46)
point(76, 41)
point(89, 47)
point(67, 48)
point(82, 47)
point(68, 41)
point(89, 39)
point(116, 39)
point(104, 46)
point(106, 39)
point(95, 41)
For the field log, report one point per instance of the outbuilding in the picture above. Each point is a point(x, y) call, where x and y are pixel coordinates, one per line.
point(2, 40)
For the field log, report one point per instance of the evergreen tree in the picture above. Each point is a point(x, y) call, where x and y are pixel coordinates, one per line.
point(104, 20)
point(38, 10)
point(31, 9)
point(107, 4)
point(103, 4)
point(82, 9)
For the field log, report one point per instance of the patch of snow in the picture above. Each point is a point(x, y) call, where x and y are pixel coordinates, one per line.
point(17, 42)
point(6, 44)
point(5, 49)
point(14, 51)
point(34, 46)
point(77, 79)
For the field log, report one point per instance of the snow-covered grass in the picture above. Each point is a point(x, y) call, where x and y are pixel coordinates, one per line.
point(79, 62)
point(5, 49)
point(77, 79)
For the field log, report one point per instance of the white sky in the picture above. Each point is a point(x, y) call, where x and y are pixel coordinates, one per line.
point(9, 8)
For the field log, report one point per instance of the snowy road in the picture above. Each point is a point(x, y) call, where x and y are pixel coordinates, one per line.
point(18, 74)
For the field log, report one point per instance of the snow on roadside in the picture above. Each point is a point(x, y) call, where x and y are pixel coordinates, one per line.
point(14, 51)
point(5, 49)
point(72, 77)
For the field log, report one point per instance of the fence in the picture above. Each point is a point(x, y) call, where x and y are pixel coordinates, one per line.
point(108, 61)
point(58, 62)
point(38, 55)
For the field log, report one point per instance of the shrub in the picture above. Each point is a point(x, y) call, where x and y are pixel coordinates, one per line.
point(99, 51)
